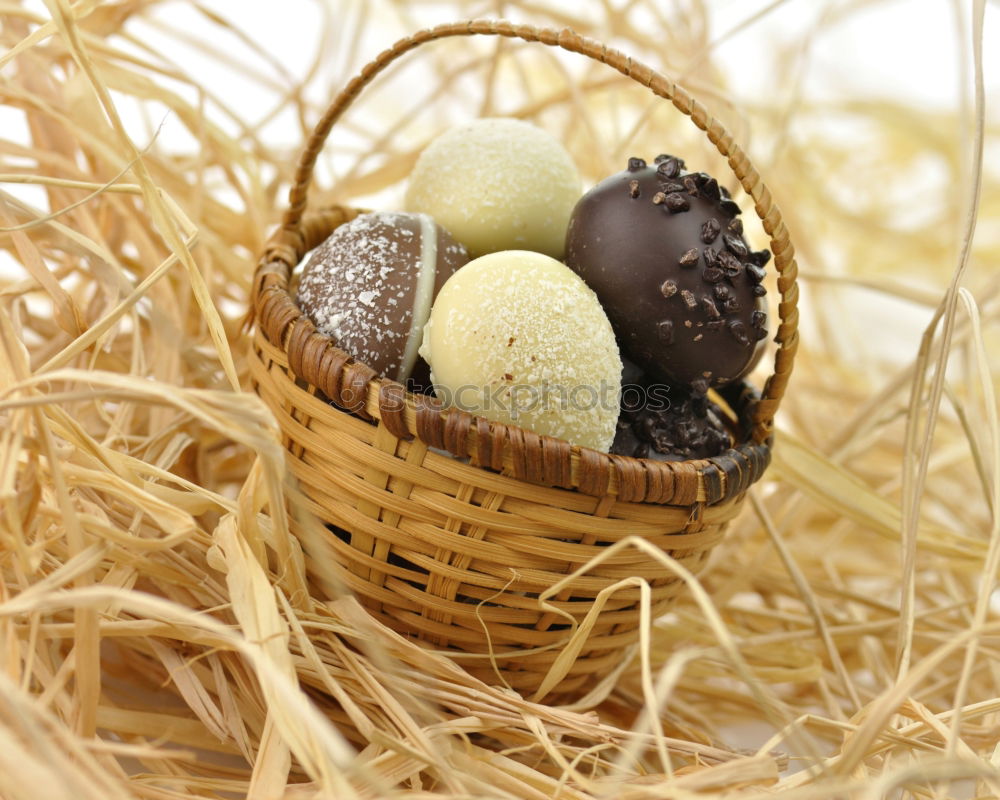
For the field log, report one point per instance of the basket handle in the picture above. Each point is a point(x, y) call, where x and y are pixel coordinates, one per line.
point(781, 247)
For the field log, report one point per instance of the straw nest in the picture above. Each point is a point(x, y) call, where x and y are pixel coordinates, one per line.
point(158, 638)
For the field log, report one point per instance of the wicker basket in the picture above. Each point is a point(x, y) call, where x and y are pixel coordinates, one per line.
point(455, 551)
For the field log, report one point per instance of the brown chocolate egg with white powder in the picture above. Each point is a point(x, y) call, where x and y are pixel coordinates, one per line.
point(371, 284)
point(664, 251)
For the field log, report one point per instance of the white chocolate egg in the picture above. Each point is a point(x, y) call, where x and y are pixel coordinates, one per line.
point(517, 337)
point(497, 184)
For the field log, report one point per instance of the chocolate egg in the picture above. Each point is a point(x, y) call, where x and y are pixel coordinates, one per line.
point(664, 251)
point(497, 184)
point(371, 284)
point(517, 337)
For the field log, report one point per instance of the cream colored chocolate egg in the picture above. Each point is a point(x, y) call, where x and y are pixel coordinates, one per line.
point(517, 337)
point(497, 184)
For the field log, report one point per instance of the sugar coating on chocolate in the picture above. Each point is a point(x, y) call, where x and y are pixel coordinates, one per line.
point(664, 251)
point(516, 337)
point(497, 184)
point(370, 286)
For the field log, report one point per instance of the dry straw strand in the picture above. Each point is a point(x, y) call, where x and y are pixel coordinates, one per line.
point(171, 622)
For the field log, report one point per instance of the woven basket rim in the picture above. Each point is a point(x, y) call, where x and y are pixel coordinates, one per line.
point(315, 358)
point(355, 388)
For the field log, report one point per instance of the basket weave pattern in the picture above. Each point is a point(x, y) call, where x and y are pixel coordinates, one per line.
point(456, 550)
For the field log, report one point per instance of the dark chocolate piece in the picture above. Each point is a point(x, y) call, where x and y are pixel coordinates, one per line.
point(760, 257)
point(689, 259)
point(675, 253)
point(668, 166)
point(710, 188)
point(676, 203)
point(665, 331)
point(710, 230)
point(668, 424)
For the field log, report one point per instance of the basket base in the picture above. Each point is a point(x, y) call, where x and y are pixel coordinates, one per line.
point(456, 557)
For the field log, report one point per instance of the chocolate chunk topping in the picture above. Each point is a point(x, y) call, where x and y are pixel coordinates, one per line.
point(732, 305)
point(668, 288)
point(714, 324)
point(664, 156)
point(672, 186)
point(761, 333)
point(739, 331)
point(689, 259)
point(711, 256)
point(735, 227)
point(710, 188)
point(710, 230)
point(689, 298)
point(711, 309)
point(676, 203)
point(755, 273)
point(759, 291)
point(735, 245)
point(669, 167)
point(758, 319)
point(690, 186)
point(665, 331)
point(712, 275)
point(636, 164)
point(721, 291)
point(728, 207)
point(760, 257)
point(633, 189)
point(730, 264)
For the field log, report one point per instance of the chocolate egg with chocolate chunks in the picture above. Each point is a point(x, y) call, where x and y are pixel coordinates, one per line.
point(664, 251)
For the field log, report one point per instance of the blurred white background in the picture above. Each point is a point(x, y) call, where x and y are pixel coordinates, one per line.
point(894, 51)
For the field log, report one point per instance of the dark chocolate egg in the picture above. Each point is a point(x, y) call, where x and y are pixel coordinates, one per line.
point(370, 286)
point(664, 251)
